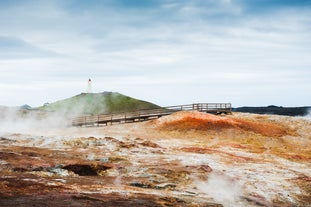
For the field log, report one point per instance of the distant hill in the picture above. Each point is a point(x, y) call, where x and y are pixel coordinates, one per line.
point(98, 103)
point(26, 107)
point(278, 110)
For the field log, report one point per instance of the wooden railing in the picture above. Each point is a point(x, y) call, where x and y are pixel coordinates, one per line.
point(147, 114)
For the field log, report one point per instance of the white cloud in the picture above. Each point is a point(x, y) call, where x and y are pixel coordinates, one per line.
point(180, 45)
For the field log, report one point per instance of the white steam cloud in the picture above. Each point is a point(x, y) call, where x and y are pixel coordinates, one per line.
point(222, 189)
point(308, 116)
point(57, 115)
point(23, 121)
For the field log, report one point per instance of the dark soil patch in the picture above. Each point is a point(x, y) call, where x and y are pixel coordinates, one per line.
point(86, 170)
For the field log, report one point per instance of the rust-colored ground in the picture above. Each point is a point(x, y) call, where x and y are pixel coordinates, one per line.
point(185, 121)
point(185, 159)
point(252, 133)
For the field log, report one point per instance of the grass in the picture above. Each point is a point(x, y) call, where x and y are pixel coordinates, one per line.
point(98, 103)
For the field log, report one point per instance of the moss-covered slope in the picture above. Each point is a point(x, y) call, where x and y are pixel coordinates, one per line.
point(98, 103)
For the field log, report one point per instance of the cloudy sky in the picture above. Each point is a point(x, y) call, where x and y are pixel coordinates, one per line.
point(247, 52)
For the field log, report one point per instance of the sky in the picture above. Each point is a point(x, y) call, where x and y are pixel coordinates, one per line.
point(169, 52)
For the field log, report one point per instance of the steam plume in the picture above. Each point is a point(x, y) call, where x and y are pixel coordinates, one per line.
point(222, 189)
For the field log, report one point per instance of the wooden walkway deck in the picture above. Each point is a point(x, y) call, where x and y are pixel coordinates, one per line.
point(143, 115)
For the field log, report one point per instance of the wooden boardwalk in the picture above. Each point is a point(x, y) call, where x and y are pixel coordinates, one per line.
point(147, 114)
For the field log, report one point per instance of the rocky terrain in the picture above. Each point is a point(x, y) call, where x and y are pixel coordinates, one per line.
point(185, 159)
point(278, 110)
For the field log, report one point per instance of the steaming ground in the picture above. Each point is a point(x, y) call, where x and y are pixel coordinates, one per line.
point(308, 116)
point(185, 159)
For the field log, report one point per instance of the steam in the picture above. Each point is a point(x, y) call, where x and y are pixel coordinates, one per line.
point(118, 181)
point(308, 116)
point(57, 115)
point(222, 189)
point(25, 121)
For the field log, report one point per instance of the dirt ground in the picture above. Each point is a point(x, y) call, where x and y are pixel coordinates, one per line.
point(185, 159)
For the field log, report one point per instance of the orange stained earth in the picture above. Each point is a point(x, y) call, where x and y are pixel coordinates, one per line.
point(189, 159)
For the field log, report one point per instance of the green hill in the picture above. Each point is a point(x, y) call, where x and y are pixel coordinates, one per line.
point(98, 103)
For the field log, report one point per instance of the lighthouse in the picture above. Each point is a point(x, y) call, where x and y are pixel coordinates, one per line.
point(89, 86)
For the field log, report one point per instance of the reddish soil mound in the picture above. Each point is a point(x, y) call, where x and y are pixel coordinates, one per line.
point(184, 121)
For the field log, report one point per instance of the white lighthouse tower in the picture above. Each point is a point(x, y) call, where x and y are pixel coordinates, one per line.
point(89, 86)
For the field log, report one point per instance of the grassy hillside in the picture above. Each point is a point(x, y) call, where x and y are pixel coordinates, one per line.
point(98, 103)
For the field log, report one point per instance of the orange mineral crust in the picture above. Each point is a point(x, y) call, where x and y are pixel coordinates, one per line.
point(189, 159)
point(184, 121)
